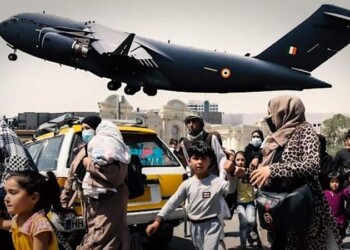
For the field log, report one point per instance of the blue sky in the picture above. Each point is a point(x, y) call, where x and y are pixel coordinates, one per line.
point(235, 26)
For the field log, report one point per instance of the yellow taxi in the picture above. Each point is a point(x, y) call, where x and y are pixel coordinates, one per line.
point(55, 150)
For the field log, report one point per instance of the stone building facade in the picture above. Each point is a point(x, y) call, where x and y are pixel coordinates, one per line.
point(168, 121)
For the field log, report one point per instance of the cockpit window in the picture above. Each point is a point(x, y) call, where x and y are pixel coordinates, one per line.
point(14, 19)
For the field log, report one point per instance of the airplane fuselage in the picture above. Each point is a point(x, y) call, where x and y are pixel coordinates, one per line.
point(142, 62)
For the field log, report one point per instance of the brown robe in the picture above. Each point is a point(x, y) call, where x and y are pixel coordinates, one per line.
point(105, 216)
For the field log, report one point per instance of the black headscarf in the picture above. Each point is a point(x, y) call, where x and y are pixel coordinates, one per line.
point(260, 133)
point(92, 121)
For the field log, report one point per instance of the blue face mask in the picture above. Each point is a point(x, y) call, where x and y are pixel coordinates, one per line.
point(87, 134)
point(256, 142)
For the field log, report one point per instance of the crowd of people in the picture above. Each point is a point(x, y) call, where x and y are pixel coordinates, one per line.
point(220, 180)
point(291, 156)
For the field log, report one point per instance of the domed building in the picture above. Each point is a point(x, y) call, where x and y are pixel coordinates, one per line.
point(168, 121)
point(173, 114)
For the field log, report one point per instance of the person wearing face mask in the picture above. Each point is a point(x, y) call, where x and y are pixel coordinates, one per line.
point(291, 157)
point(252, 150)
point(90, 124)
point(104, 191)
point(253, 157)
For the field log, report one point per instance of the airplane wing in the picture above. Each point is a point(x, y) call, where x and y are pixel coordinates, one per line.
point(117, 43)
point(106, 40)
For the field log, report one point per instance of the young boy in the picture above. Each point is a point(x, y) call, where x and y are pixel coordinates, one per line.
point(203, 191)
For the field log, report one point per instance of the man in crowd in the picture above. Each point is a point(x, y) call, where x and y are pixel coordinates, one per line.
point(342, 157)
point(195, 132)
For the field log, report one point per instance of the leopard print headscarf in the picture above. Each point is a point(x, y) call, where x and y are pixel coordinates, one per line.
point(287, 113)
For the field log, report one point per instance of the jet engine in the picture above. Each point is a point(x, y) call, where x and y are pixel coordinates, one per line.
point(56, 44)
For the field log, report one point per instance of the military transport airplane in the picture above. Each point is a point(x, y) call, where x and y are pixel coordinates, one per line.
point(144, 63)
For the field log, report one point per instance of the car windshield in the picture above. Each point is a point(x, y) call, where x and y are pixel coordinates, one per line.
point(45, 153)
point(150, 149)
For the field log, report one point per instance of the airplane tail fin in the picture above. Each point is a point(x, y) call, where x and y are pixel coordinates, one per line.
point(313, 42)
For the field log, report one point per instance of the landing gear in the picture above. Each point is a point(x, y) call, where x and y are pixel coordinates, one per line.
point(150, 91)
point(114, 85)
point(129, 90)
point(12, 57)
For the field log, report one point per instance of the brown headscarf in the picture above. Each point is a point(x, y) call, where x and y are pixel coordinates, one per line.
point(287, 112)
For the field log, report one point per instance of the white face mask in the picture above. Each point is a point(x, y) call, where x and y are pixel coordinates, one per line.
point(256, 142)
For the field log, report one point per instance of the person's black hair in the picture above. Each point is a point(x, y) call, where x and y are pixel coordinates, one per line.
point(173, 141)
point(231, 150)
point(336, 175)
point(200, 149)
point(347, 135)
point(47, 187)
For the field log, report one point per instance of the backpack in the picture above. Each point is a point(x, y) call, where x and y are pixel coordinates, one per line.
point(135, 180)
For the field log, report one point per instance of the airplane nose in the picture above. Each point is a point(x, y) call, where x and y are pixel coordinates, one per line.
point(2, 28)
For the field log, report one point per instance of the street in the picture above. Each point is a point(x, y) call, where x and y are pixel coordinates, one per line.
point(231, 237)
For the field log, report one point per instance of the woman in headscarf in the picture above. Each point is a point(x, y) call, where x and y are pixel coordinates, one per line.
point(253, 156)
point(252, 150)
point(105, 194)
point(291, 152)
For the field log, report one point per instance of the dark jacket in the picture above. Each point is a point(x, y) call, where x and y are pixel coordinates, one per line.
point(252, 152)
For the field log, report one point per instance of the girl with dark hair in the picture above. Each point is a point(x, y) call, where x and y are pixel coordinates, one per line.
point(29, 197)
point(14, 157)
point(245, 202)
point(336, 196)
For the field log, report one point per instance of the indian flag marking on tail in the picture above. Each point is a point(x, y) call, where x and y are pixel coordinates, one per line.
point(292, 50)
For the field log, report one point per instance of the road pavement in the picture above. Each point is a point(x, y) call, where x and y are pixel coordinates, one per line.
point(180, 242)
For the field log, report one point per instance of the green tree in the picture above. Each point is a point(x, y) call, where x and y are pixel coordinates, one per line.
point(334, 130)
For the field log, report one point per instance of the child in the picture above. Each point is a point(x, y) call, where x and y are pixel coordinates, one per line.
point(203, 191)
point(336, 196)
point(245, 203)
point(29, 196)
